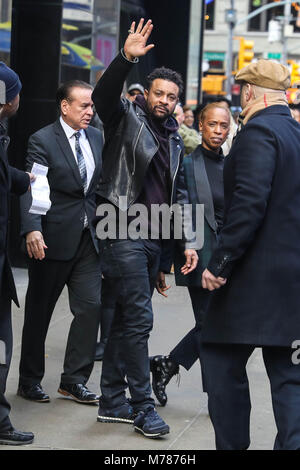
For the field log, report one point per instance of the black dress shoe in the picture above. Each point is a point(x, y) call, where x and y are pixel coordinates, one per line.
point(33, 392)
point(79, 393)
point(163, 369)
point(13, 437)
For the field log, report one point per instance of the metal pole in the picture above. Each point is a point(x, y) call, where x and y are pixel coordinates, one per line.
point(286, 21)
point(231, 25)
point(94, 41)
point(201, 40)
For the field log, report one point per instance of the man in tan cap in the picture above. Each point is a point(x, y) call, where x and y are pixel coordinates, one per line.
point(263, 84)
point(256, 267)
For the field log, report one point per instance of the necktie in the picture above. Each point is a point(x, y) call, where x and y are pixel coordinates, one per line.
point(80, 161)
point(82, 169)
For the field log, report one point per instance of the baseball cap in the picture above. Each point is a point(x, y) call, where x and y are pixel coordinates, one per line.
point(136, 86)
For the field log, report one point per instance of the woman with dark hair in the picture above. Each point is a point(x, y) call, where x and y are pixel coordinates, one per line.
point(204, 178)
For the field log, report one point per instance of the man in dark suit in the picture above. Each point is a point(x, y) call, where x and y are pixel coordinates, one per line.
point(62, 248)
point(15, 181)
point(259, 254)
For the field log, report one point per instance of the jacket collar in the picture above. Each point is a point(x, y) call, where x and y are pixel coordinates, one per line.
point(274, 109)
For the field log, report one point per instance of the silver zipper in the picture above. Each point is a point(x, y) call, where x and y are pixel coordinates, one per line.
point(134, 148)
point(175, 174)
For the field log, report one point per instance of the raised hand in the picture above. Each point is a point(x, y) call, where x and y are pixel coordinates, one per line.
point(135, 44)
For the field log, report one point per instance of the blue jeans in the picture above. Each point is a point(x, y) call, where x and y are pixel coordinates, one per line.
point(130, 268)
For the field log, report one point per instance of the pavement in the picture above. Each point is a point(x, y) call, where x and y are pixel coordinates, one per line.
point(63, 424)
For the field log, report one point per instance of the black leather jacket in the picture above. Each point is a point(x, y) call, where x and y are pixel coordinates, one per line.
point(129, 142)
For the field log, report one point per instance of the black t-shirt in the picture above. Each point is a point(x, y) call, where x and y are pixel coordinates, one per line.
point(214, 165)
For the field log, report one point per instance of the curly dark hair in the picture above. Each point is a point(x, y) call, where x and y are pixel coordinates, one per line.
point(165, 74)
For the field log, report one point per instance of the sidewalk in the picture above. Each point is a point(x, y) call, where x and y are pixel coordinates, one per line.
point(65, 425)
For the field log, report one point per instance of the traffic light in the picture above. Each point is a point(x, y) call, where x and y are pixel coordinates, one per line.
point(246, 53)
point(295, 73)
point(213, 84)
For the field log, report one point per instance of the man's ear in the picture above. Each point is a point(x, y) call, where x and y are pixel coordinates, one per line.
point(200, 126)
point(249, 92)
point(146, 93)
point(63, 107)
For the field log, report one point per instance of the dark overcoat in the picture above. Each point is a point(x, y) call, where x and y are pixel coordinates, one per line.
point(259, 245)
point(199, 192)
point(17, 182)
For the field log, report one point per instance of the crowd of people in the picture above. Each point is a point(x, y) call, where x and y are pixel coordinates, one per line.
point(243, 280)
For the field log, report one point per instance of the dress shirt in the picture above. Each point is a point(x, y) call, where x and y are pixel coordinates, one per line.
point(85, 147)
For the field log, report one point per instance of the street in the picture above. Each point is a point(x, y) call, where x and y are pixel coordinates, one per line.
point(65, 425)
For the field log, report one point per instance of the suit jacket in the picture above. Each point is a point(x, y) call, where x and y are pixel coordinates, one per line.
point(16, 181)
point(258, 248)
point(63, 224)
point(199, 193)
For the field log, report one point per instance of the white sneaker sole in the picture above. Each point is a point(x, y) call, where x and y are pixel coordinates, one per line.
point(110, 419)
point(151, 435)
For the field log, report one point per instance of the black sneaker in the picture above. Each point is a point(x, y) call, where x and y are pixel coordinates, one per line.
point(150, 424)
point(79, 393)
point(163, 369)
point(13, 437)
point(33, 392)
point(121, 414)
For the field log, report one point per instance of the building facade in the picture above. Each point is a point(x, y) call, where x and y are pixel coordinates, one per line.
point(255, 29)
point(51, 42)
point(47, 43)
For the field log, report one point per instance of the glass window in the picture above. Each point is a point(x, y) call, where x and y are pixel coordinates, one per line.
point(89, 38)
point(212, 59)
point(260, 22)
point(5, 29)
point(210, 14)
point(295, 11)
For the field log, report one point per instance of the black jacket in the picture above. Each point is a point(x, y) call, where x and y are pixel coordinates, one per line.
point(130, 144)
point(259, 247)
point(16, 181)
point(62, 225)
point(199, 190)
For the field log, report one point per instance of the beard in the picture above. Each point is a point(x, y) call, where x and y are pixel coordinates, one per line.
point(158, 115)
